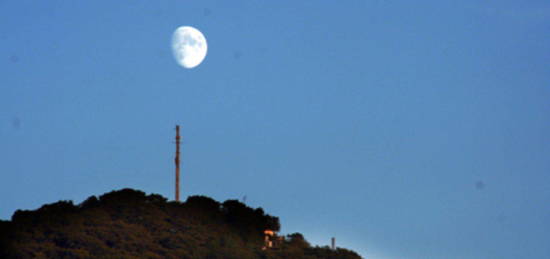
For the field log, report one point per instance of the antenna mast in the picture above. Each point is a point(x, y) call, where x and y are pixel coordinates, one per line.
point(177, 160)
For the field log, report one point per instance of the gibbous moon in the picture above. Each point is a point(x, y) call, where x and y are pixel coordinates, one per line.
point(189, 46)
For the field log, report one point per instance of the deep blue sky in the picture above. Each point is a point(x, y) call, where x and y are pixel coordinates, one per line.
point(405, 129)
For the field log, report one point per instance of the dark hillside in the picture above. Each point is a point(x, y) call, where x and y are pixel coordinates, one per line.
point(131, 224)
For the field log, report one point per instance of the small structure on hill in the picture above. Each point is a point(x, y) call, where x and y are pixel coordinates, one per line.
point(272, 240)
point(268, 239)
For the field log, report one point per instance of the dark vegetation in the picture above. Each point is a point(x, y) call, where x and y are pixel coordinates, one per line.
point(131, 224)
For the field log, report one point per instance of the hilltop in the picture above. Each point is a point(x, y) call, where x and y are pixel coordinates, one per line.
point(130, 224)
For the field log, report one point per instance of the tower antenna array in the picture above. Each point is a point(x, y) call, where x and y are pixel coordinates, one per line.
point(177, 160)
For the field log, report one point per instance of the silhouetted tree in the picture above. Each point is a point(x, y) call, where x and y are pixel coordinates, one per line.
point(204, 203)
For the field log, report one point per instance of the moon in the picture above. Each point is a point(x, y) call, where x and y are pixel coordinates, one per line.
point(188, 46)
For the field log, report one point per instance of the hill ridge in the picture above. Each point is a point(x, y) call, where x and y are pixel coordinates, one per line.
point(128, 223)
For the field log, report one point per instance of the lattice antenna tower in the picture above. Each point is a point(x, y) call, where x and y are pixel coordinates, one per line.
point(177, 161)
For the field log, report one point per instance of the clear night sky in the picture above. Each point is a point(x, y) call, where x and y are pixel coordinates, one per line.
point(406, 129)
